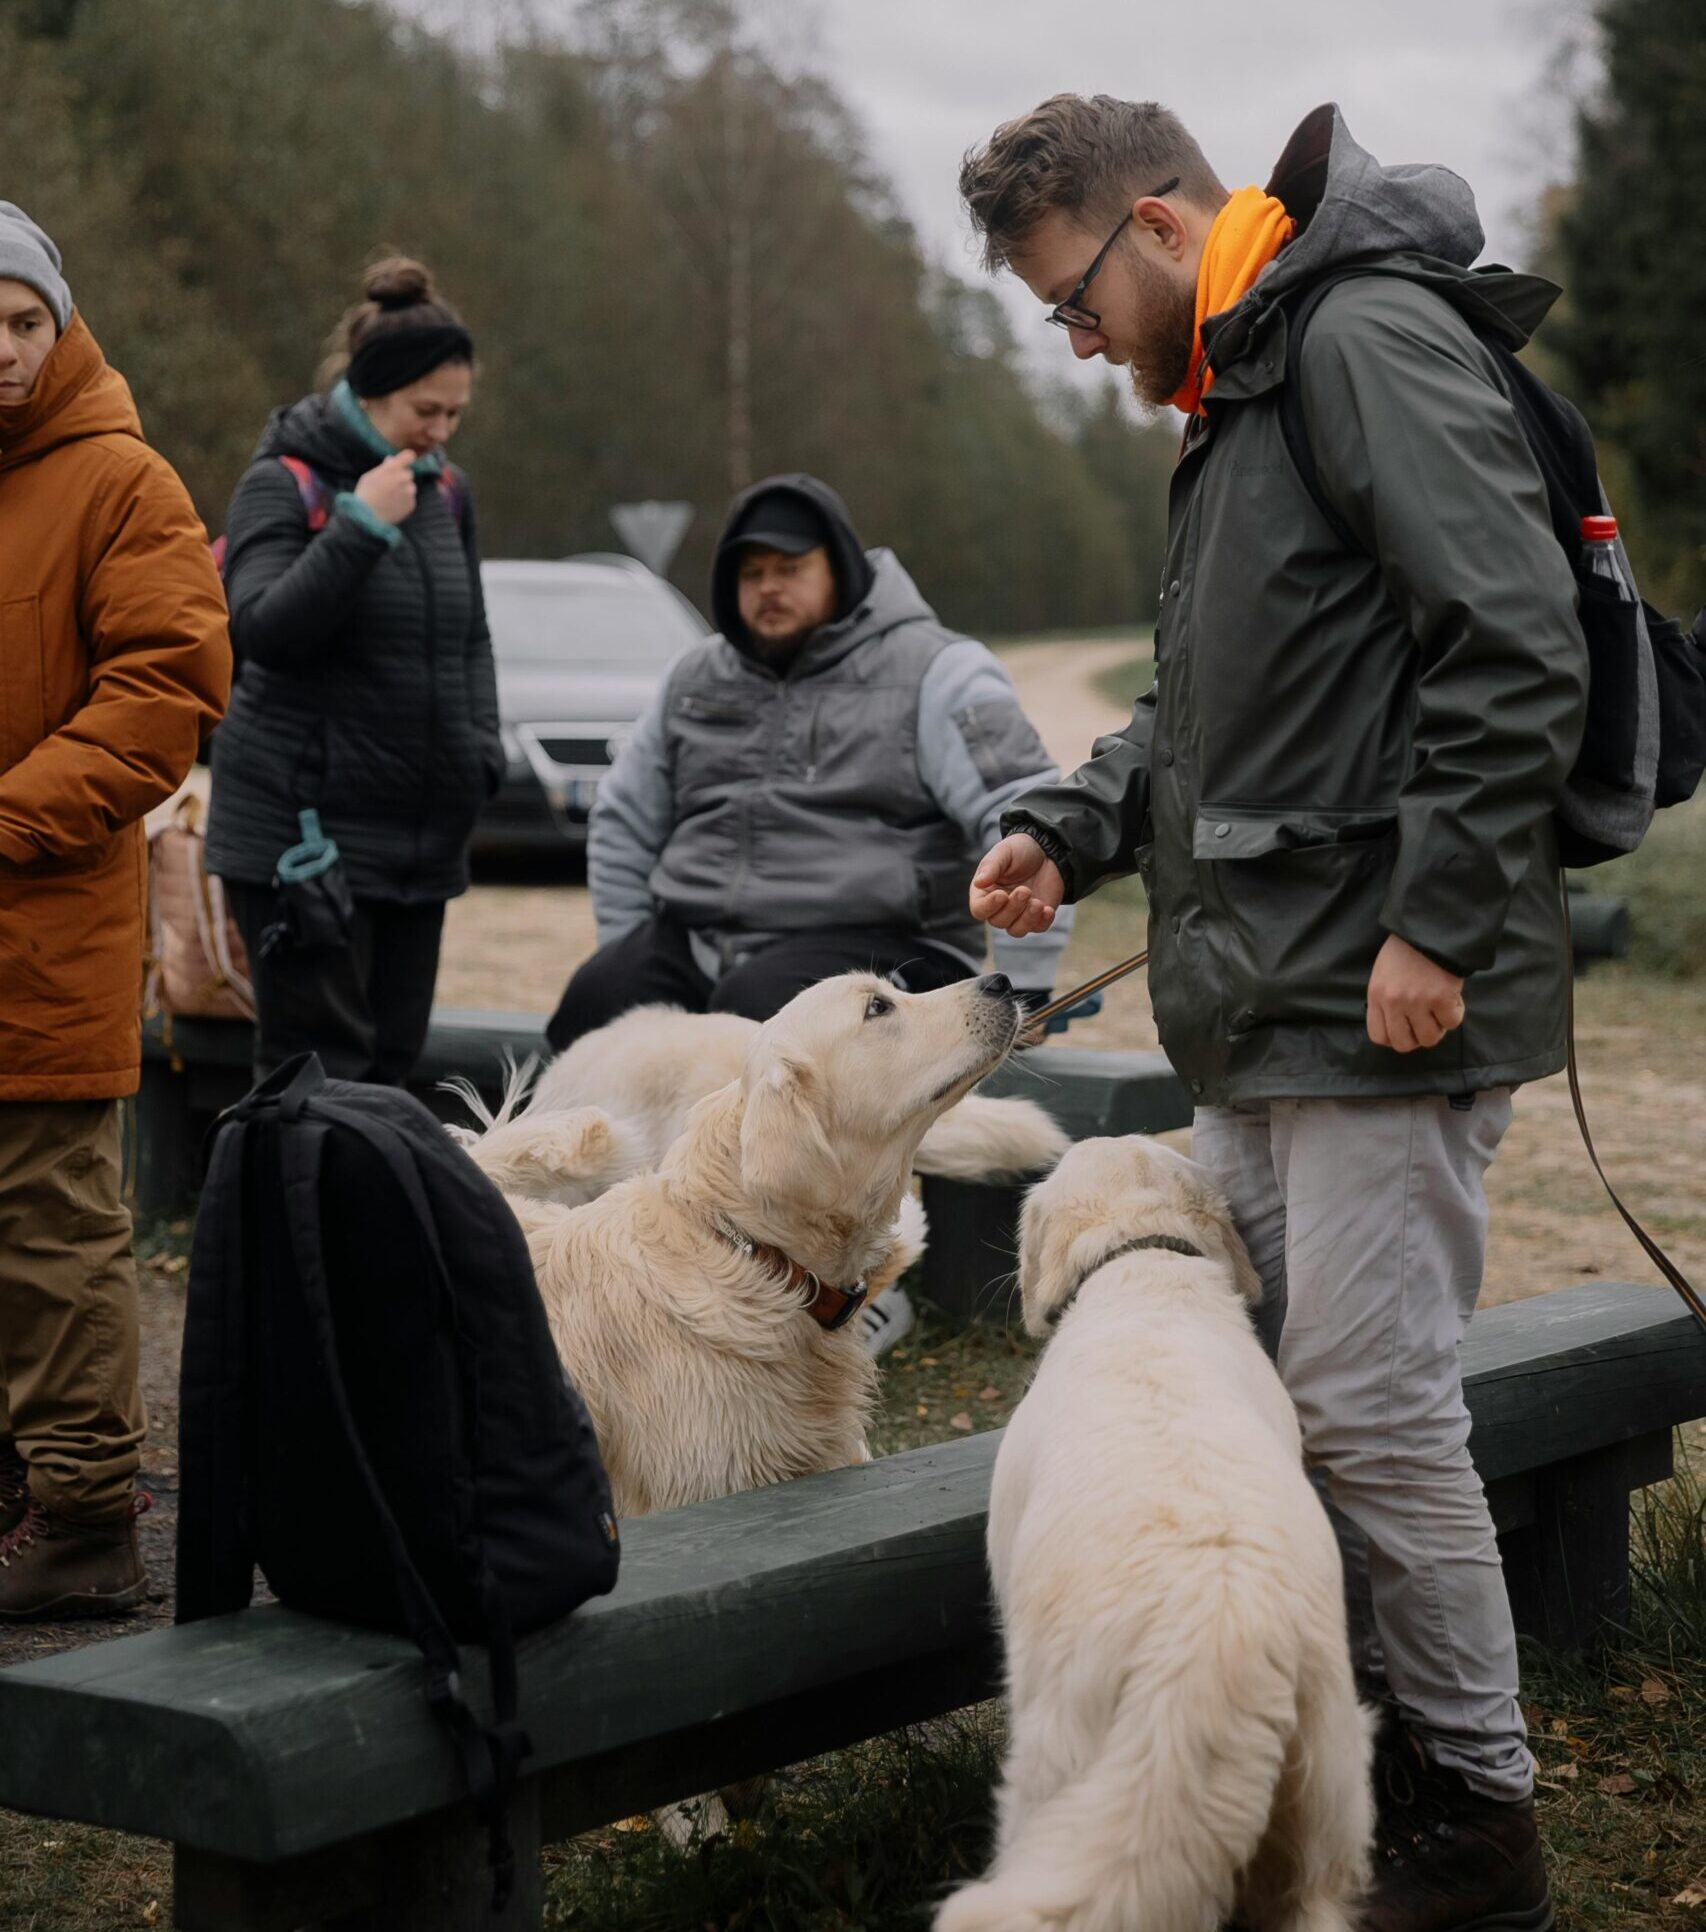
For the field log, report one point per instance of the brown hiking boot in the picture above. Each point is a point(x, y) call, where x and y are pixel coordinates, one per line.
point(1448, 1859)
point(53, 1567)
point(14, 1484)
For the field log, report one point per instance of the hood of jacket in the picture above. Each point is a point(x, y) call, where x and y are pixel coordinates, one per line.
point(853, 570)
point(77, 395)
point(1418, 220)
point(314, 431)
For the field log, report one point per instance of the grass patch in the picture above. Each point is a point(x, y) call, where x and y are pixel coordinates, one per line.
point(1662, 880)
point(73, 1878)
point(1125, 683)
point(868, 1838)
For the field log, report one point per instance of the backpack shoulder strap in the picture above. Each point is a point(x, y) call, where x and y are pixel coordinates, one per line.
point(311, 487)
point(1292, 424)
point(491, 1754)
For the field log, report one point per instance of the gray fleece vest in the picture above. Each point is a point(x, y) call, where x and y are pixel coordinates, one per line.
point(797, 799)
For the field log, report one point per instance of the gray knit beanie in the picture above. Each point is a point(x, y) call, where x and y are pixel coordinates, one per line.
point(27, 255)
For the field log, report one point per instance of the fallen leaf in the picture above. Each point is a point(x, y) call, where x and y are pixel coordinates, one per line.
point(990, 1394)
point(1623, 1694)
point(639, 1822)
point(960, 1421)
point(1569, 1770)
point(1694, 1894)
point(922, 1409)
point(960, 1388)
point(1560, 1727)
point(927, 1361)
point(151, 1912)
point(1653, 1692)
point(1618, 1785)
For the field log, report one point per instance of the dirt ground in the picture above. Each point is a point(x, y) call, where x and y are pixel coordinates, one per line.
point(514, 945)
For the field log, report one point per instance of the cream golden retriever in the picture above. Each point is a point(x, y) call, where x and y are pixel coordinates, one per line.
point(678, 1298)
point(615, 1102)
point(1186, 1742)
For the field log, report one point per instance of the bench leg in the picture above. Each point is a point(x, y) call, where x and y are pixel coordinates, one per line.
point(1567, 1572)
point(429, 1875)
point(972, 1253)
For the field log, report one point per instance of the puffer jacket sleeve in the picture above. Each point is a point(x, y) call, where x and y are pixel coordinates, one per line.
point(1420, 450)
point(632, 818)
point(1092, 821)
point(482, 671)
point(977, 754)
point(153, 620)
point(291, 590)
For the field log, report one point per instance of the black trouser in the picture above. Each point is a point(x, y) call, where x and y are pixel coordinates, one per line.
point(654, 964)
point(363, 1007)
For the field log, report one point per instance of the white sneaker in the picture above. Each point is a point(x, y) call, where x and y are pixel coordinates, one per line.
point(884, 1321)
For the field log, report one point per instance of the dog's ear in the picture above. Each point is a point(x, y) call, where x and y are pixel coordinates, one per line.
point(785, 1155)
point(1047, 1268)
point(1211, 1218)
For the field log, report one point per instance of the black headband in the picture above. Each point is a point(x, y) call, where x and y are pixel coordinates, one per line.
point(393, 358)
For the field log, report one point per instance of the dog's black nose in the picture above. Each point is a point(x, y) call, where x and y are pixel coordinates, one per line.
point(995, 986)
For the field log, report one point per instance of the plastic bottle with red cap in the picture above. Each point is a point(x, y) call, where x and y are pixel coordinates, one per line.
point(1599, 556)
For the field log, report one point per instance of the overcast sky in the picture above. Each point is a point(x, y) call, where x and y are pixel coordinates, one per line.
point(1464, 82)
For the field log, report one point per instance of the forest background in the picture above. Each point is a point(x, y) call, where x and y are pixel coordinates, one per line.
point(683, 270)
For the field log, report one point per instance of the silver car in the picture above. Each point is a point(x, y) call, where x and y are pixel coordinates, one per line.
point(580, 647)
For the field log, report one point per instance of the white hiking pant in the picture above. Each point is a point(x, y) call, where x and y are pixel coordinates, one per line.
point(1367, 1222)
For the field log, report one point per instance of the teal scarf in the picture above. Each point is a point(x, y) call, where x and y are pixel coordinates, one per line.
point(345, 402)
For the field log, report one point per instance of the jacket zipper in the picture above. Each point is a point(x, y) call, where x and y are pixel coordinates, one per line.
point(430, 594)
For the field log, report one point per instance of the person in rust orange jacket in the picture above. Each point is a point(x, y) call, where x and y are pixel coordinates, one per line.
point(114, 659)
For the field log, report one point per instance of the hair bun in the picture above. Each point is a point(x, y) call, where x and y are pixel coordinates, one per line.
point(397, 283)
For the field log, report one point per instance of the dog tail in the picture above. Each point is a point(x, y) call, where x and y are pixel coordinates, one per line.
point(517, 1081)
point(983, 1139)
point(911, 1235)
point(1155, 1826)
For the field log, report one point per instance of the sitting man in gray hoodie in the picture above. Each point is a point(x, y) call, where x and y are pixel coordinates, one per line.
point(810, 792)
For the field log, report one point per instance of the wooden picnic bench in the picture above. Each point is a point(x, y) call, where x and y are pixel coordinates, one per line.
point(295, 1769)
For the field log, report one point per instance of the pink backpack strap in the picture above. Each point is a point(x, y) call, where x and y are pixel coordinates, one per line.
point(311, 490)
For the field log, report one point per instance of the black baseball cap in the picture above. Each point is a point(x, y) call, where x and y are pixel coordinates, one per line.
point(780, 520)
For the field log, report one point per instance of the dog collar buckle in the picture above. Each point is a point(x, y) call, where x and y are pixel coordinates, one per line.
point(833, 1308)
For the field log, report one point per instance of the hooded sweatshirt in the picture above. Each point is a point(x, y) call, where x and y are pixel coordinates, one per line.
point(859, 785)
point(114, 662)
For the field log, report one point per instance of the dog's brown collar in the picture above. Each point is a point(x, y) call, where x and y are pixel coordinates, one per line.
point(828, 1306)
point(1172, 1243)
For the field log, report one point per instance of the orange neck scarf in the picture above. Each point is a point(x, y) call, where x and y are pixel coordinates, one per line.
point(1247, 234)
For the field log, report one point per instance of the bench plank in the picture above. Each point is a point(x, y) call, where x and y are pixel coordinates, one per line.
point(744, 1632)
point(268, 1734)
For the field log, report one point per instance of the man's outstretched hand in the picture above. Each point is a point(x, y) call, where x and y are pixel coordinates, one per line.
point(1411, 1002)
point(1018, 887)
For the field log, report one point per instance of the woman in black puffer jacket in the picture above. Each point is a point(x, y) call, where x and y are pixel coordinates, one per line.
point(365, 689)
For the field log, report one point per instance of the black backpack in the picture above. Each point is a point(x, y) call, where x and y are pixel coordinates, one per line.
point(372, 1408)
point(1606, 767)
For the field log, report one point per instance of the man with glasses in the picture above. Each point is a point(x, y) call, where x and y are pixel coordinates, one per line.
point(1339, 795)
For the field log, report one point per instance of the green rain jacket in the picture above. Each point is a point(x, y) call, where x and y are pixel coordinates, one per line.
point(1346, 744)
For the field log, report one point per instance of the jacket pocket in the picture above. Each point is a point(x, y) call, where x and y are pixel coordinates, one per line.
point(23, 701)
point(1293, 900)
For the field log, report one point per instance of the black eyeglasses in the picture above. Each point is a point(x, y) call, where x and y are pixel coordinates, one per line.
point(1071, 314)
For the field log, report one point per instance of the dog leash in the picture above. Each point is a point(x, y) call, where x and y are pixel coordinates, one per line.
point(1079, 995)
point(1654, 1253)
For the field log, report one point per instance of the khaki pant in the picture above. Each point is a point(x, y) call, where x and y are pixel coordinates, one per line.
point(68, 1309)
point(1367, 1221)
